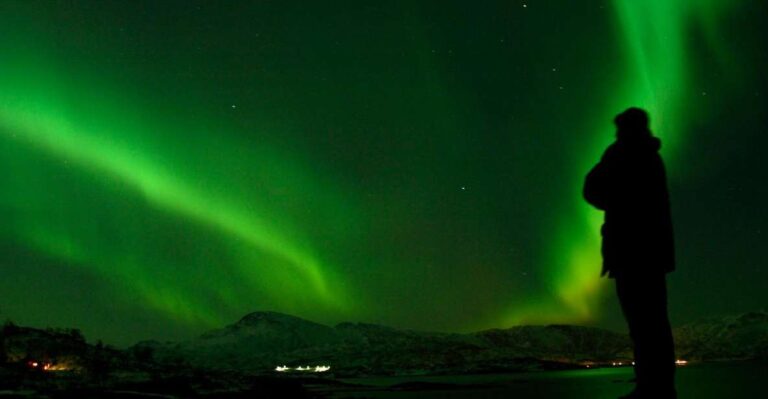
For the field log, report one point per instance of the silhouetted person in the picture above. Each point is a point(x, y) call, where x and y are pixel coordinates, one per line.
point(630, 185)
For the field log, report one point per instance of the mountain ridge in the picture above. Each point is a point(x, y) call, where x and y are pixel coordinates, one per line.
point(261, 340)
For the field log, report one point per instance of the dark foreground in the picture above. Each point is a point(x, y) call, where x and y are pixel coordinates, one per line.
point(731, 380)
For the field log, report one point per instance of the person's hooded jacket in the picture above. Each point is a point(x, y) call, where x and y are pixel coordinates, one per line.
point(629, 184)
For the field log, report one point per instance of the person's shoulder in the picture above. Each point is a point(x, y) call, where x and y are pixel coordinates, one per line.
point(655, 143)
point(612, 152)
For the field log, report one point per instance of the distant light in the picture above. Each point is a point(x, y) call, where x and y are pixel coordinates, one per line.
point(316, 369)
point(680, 362)
point(56, 367)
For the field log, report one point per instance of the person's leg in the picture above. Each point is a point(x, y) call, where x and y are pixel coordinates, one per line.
point(661, 349)
point(628, 295)
point(643, 301)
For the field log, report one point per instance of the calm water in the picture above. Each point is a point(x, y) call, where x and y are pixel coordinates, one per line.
point(705, 381)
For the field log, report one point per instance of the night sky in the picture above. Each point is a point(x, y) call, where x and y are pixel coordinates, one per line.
point(167, 167)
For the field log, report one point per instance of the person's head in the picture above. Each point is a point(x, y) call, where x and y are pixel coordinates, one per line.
point(632, 123)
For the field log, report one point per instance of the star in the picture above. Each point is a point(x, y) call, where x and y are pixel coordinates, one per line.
point(234, 106)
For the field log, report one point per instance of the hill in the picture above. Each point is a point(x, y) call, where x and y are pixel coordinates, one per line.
point(261, 341)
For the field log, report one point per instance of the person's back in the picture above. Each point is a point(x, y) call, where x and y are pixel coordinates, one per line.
point(629, 184)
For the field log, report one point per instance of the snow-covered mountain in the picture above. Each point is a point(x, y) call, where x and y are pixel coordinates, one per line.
point(262, 340)
point(733, 337)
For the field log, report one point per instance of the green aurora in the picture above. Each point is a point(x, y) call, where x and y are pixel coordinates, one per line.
point(655, 37)
point(171, 166)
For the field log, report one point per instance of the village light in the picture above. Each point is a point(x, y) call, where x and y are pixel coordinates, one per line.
point(316, 369)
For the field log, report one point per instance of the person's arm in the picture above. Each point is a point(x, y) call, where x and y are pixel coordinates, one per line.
point(594, 187)
point(597, 185)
